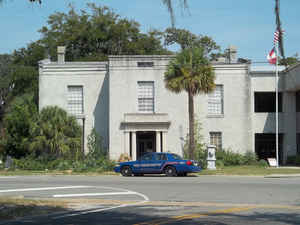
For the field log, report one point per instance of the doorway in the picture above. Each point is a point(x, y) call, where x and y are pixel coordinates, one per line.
point(265, 146)
point(145, 142)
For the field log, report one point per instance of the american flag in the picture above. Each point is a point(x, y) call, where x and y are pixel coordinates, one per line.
point(277, 35)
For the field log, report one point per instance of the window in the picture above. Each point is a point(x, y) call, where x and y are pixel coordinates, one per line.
point(216, 139)
point(176, 157)
point(147, 157)
point(215, 101)
point(266, 102)
point(75, 100)
point(146, 96)
point(160, 157)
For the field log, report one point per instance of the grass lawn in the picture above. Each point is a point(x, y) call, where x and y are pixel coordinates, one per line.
point(13, 208)
point(250, 170)
point(230, 170)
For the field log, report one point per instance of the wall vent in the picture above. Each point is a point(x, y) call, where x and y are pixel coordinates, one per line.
point(145, 64)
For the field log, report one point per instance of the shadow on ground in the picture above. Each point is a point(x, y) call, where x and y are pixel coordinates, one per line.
point(13, 211)
point(138, 215)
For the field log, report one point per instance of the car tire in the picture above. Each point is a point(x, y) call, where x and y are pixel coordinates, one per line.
point(126, 171)
point(170, 171)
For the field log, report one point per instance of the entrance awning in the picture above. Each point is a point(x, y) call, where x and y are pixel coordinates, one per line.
point(145, 121)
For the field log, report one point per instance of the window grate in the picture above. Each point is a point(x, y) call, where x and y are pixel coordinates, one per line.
point(145, 64)
point(146, 96)
point(75, 100)
point(215, 101)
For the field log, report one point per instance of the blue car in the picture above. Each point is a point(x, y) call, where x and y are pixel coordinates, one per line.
point(158, 163)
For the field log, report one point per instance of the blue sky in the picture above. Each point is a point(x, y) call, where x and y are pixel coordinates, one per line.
point(247, 24)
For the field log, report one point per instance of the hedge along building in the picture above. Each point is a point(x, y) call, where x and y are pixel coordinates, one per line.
point(126, 101)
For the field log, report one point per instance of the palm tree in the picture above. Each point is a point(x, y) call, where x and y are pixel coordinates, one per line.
point(169, 5)
point(192, 72)
point(56, 134)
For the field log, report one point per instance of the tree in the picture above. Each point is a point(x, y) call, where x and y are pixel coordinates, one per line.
point(169, 5)
point(56, 134)
point(186, 39)
point(96, 33)
point(190, 71)
point(18, 123)
point(5, 61)
point(289, 60)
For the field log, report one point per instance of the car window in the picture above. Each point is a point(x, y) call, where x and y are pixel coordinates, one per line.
point(160, 157)
point(146, 157)
point(176, 157)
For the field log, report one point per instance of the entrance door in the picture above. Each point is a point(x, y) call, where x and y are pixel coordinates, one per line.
point(145, 143)
point(265, 146)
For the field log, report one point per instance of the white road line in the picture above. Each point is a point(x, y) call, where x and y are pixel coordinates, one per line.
point(43, 189)
point(6, 177)
point(94, 194)
point(146, 199)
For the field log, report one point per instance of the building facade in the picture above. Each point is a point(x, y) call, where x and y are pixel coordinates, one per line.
point(126, 101)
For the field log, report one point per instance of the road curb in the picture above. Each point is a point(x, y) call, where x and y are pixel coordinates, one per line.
point(283, 176)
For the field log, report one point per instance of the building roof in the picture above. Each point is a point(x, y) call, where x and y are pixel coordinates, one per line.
point(266, 68)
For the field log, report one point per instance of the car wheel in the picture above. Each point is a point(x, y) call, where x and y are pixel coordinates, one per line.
point(126, 171)
point(170, 171)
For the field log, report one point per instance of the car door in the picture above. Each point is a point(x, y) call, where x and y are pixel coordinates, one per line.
point(160, 159)
point(146, 163)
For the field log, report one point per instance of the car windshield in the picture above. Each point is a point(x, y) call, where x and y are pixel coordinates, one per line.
point(177, 157)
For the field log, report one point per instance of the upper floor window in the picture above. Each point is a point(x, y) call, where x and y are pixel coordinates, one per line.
point(265, 102)
point(146, 96)
point(75, 100)
point(215, 101)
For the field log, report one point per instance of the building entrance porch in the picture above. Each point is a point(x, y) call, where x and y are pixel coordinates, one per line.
point(137, 143)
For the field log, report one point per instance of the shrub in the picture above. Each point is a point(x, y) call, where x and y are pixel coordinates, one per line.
point(219, 164)
point(28, 163)
point(200, 153)
point(230, 158)
point(124, 157)
point(262, 163)
point(250, 158)
point(95, 146)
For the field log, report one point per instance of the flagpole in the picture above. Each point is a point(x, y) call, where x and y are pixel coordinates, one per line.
point(276, 90)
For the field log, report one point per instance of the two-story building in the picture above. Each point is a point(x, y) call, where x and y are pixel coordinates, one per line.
point(126, 101)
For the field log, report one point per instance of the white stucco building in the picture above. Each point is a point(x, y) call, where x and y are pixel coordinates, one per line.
point(126, 101)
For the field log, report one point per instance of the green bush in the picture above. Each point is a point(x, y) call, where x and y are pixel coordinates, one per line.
point(219, 164)
point(262, 163)
point(28, 163)
point(230, 158)
point(200, 153)
point(250, 158)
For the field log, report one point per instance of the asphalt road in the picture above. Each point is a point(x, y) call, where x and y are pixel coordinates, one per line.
point(162, 200)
